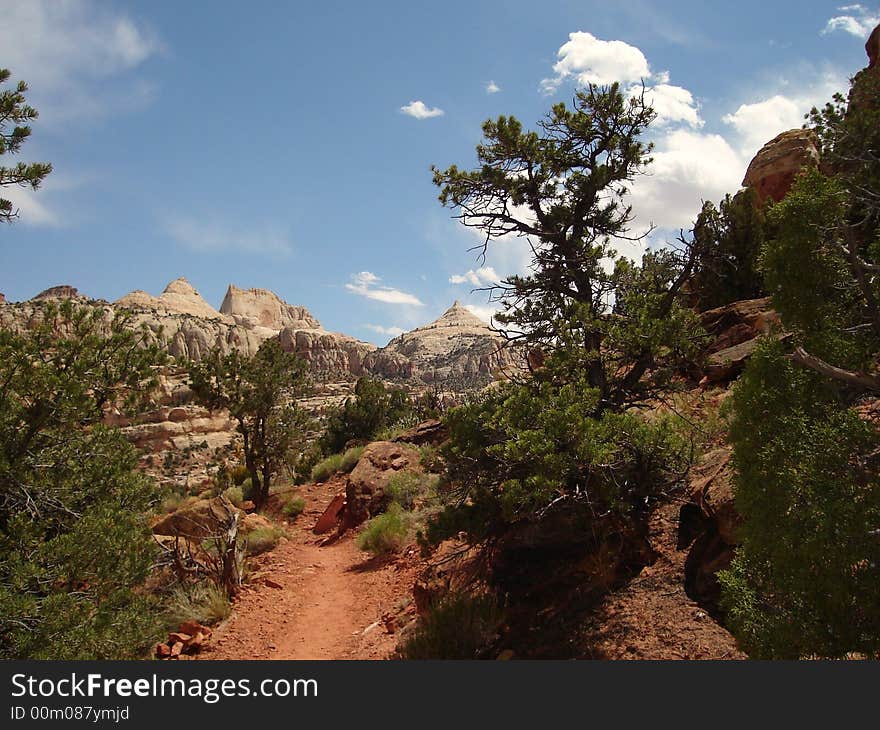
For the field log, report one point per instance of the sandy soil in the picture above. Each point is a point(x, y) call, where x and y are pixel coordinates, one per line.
point(305, 600)
point(308, 601)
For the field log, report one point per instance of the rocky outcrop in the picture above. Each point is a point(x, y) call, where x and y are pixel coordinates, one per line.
point(63, 291)
point(264, 308)
point(180, 428)
point(872, 47)
point(708, 523)
point(432, 432)
point(328, 353)
point(365, 489)
point(865, 90)
point(197, 520)
point(735, 330)
point(331, 516)
point(457, 348)
point(773, 170)
point(179, 297)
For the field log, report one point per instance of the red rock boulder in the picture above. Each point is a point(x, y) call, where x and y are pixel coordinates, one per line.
point(773, 170)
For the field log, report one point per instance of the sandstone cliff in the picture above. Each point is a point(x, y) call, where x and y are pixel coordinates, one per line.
point(458, 349)
point(264, 308)
point(179, 297)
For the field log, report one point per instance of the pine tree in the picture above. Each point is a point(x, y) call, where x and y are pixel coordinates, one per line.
point(259, 394)
point(15, 114)
point(563, 188)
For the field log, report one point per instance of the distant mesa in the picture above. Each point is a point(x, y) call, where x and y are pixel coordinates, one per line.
point(457, 350)
point(179, 297)
point(264, 308)
point(57, 292)
point(457, 347)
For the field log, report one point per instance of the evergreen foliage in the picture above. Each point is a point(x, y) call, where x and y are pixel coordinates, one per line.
point(729, 240)
point(563, 188)
point(523, 449)
point(259, 394)
point(372, 408)
point(15, 114)
point(74, 539)
point(804, 580)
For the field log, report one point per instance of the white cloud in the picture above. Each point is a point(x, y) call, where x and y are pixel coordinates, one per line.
point(31, 210)
point(390, 331)
point(857, 21)
point(589, 60)
point(419, 110)
point(586, 59)
point(208, 235)
point(760, 121)
point(757, 122)
point(484, 311)
point(70, 51)
point(671, 103)
point(688, 167)
point(483, 275)
point(492, 88)
point(367, 284)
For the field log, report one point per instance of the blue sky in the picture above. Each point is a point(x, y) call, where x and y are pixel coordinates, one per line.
point(288, 145)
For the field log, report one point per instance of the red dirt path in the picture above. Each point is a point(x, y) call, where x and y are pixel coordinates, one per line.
point(305, 601)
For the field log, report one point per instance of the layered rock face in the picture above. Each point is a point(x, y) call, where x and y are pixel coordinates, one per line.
point(456, 352)
point(57, 292)
point(458, 348)
point(190, 327)
point(773, 170)
point(179, 297)
point(263, 308)
point(328, 353)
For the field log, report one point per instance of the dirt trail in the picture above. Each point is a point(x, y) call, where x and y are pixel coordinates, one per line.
point(304, 601)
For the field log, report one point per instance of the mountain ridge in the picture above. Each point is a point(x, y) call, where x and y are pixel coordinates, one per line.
point(456, 350)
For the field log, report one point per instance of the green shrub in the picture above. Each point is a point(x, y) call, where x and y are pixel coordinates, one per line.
point(294, 507)
point(247, 490)
point(350, 459)
point(362, 416)
point(75, 543)
point(239, 474)
point(385, 533)
point(234, 495)
point(204, 602)
point(391, 432)
point(803, 582)
point(517, 450)
point(325, 468)
point(262, 540)
point(461, 626)
point(305, 462)
point(430, 458)
point(729, 239)
point(342, 463)
point(172, 502)
point(407, 487)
